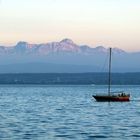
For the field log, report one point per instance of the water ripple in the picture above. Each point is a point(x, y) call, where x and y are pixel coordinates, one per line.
point(66, 112)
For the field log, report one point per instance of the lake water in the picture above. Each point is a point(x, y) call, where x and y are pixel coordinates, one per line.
point(67, 112)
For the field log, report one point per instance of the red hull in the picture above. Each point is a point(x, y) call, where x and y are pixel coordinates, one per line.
point(111, 98)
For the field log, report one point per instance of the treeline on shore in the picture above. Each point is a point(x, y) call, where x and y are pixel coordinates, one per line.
point(70, 78)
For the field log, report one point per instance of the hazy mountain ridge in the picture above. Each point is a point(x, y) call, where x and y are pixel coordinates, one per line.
point(64, 56)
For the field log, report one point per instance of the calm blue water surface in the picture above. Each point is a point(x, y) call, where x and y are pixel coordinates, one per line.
point(66, 112)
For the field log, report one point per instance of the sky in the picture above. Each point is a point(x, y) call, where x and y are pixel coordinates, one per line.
point(111, 23)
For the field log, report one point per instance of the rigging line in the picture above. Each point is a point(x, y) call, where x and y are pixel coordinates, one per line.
point(105, 63)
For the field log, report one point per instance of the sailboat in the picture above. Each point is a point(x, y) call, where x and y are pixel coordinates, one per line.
point(112, 96)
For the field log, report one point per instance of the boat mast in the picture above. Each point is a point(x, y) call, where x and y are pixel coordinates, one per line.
point(109, 75)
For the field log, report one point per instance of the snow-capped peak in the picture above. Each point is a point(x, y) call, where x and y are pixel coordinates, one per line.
point(65, 46)
point(117, 50)
point(21, 43)
point(66, 40)
point(101, 49)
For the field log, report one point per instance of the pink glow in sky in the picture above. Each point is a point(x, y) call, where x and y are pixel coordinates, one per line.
point(114, 23)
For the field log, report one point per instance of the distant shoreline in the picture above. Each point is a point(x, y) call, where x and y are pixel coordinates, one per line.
point(69, 78)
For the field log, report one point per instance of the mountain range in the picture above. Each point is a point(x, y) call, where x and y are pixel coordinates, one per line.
point(64, 46)
point(64, 56)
